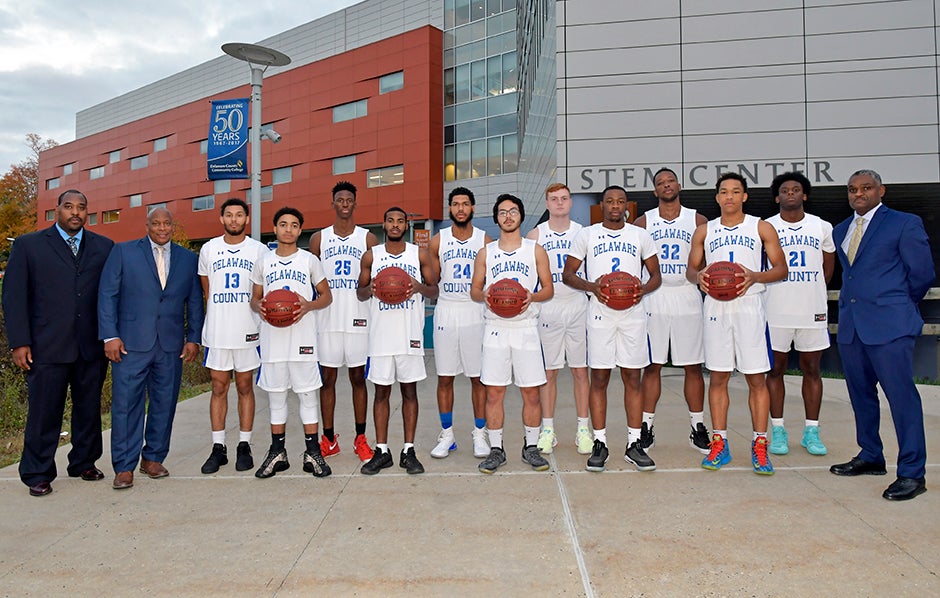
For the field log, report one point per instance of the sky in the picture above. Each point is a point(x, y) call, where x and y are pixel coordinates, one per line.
point(58, 57)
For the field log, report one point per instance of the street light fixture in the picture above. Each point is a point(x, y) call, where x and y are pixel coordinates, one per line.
point(259, 59)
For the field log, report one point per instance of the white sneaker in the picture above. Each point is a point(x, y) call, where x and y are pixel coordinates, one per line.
point(547, 441)
point(445, 444)
point(584, 440)
point(481, 448)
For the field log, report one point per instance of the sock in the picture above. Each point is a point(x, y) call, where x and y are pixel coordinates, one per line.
point(382, 447)
point(759, 435)
point(360, 429)
point(447, 420)
point(601, 435)
point(633, 434)
point(548, 423)
point(648, 419)
point(328, 433)
point(479, 423)
point(407, 446)
point(531, 435)
point(696, 418)
point(582, 422)
point(312, 441)
point(244, 436)
point(277, 441)
point(722, 433)
point(496, 437)
point(809, 423)
point(776, 421)
point(218, 437)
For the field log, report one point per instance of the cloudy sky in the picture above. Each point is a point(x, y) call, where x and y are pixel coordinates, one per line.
point(59, 56)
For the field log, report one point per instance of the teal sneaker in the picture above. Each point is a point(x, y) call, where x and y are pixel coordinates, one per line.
point(779, 442)
point(759, 457)
point(811, 441)
point(718, 454)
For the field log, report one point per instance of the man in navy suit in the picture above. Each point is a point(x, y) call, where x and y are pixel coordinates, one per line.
point(150, 315)
point(887, 269)
point(49, 303)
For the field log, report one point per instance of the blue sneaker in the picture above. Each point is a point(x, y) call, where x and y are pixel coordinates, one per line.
point(811, 441)
point(759, 457)
point(718, 453)
point(779, 444)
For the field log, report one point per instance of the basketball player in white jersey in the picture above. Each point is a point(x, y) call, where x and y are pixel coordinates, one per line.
point(561, 322)
point(615, 338)
point(289, 354)
point(458, 321)
point(674, 311)
point(797, 307)
point(230, 334)
point(396, 338)
point(511, 345)
point(343, 327)
point(736, 330)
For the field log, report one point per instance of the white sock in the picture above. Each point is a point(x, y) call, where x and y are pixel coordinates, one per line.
point(696, 418)
point(407, 446)
point(582, 422)
point(218, 437)
point(244, 436)
point(633, 434)
point(548, 422)
point(648, 419)
point(496, 437)
point(601, 435)
point(531, 435)
point(759, 434)
point(382, 447)
point(776, 421)
point(812, 422)
point(722, 433)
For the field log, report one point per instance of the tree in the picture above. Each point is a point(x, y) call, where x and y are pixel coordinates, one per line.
point(19, 189)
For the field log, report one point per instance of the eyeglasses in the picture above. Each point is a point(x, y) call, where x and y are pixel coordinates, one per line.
point(510, 212)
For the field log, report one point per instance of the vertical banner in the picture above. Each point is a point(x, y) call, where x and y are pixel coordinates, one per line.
point(227, 153)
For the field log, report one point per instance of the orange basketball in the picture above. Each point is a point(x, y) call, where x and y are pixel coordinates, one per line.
point(391, 285)
point(621, 288)
point(723, 280)
point(279, 306)
point(506, 298)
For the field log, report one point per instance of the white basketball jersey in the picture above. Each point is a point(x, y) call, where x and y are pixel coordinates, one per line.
point(230, 321)
point(518, 265)
point(456, 259)
point(673, 239)
point(299, 272)
point(604, 250)
point(340, 257)
point(397, 329)
point(557, 246)
point(740, 244)
point(800, 300)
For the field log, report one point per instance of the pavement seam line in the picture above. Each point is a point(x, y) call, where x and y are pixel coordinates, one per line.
point(572, 530)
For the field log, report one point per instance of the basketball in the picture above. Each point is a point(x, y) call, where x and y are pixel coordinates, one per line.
point(722, 280)
point(279, 306)
point(621, 288)
point(506, 298)
point(391, 285)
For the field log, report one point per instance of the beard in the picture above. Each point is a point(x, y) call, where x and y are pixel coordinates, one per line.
point(389, 237)
point(235, 231)
point(460, 224)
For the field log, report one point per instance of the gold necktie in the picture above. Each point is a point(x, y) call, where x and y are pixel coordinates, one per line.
point(855, 240)
point(161, 266)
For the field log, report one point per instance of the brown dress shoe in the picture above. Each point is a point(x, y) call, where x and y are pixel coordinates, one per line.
point(40, 489)
point(92, 474)
point(153, 469)
point(123, 479)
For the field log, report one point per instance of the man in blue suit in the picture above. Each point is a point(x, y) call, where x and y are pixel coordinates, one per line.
point(50, 294)
point(887, 269)
point(150, 314)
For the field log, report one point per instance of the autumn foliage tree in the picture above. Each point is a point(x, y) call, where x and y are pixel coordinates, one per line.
point(19, 188)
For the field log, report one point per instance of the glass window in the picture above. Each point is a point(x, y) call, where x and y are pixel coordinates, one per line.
point(50, 215)
point(114, 156)
point(222, 186)
point(448, 14)
point(449, 91)
point(204, 146)
point(478, 158)
point(390, 175)
point(344, 164)
point(510, 154)
point(500, 125)
point(140, 162)
point(449, 115)
point(267, 193)
point(93, 218)
point(471, 110)
point(509, 72)
point(449, 132)
point(159, 144)
point(110, 216)
point(494, 75)
point(462, 83)
point(463, 161)
point(206, 202)
point(505, 42)
point(502, 104)
point(478, 80)
point(136, 200)
point(501, 24)
point(96, 173)
point(52, 183)
point(509, 4)
point(67, 169)
point(477, 9)
point(461, 12)
point(448, 58)
point(493, 7)
point(473, 129)
point(391, 82)
point(449, 168)
point(470, 33)
point(349, 111)
point(494, 155)
point(281, 175)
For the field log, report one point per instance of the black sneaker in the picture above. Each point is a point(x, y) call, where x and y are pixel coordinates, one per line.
point(409, 462)
point(496, 458)
point(379, 461)
point(314, 463)
point(699, 438)
point(598, 459)
point(647, 438)
point(532, 456)
point(243, 458)
point(216, 459)
point(275, 461)
point(636, 455)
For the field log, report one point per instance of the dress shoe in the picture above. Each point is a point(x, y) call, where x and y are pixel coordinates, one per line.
point(858, 467)
point(153, 469)
point(905, 488)
point(123, 479)
point(92, 474)
point(43, 488)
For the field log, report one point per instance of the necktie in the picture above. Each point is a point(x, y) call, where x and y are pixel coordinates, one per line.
point(73, 245)
point(161, 266)
point(855, 240)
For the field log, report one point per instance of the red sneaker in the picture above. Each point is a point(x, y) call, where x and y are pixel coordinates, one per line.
point(362, 448)
point(328, 448)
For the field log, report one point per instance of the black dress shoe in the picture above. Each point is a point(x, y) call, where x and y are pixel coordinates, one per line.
point(92, 474)
point(40, 489)
point(905, 488)
point(858, 467)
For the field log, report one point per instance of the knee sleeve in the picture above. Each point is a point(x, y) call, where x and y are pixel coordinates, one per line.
point(277, 401)
point(309, 407)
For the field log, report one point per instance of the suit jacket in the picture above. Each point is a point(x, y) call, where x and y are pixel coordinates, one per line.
point(892, 272)
point(50, 296)
point(133, 307)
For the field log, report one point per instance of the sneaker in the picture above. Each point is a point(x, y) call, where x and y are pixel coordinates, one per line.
point(378, 462)
point(275, 461)
point(698, 439)
point(636, 455)
point(243, 458)
point(647, 438)
point(718, 454)
point(599, 455)
point(779, 444)
point(481, 448)
point(493, 461)
point(409, 462)
point(584, 441)
point(327, 448)
point(445, 444)
point(811, 441)
point(315, 464)
point(547, 441)
point(532, 456)
point(217, 458)
point(759, 457)
point(361, 447)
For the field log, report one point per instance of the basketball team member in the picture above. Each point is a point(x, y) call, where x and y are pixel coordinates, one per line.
point(738, 324)
point(615, 338)
point(289, 355)
point(396, 338)
point(797, 307)
point(511, 345)
point(343, 327)
point(561, 322)
point(230, 333)
point(458, 321)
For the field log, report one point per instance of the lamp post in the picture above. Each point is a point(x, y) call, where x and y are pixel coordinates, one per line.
point(259, 59)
